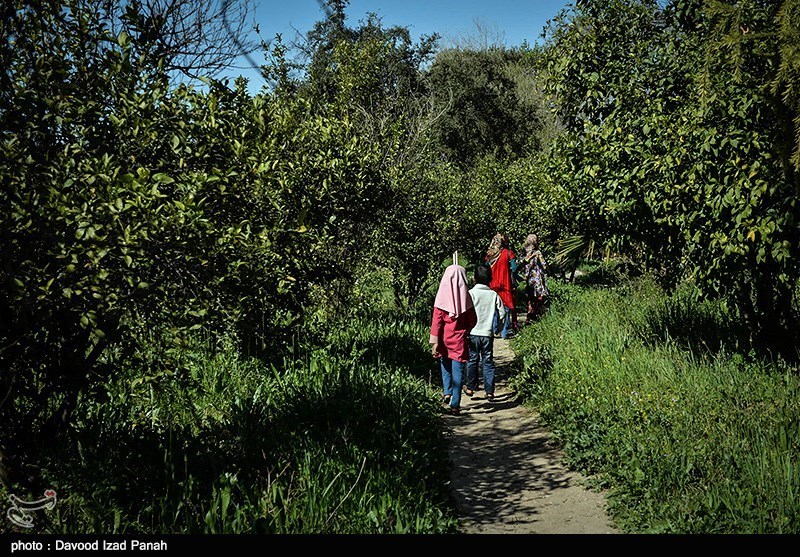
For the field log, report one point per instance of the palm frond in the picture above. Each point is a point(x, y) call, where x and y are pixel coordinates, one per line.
point(572, 248)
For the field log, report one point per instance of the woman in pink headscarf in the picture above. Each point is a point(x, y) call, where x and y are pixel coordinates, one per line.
point(453, 318)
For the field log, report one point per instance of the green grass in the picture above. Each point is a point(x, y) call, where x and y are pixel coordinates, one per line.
point(653, 396)
point(337, 439)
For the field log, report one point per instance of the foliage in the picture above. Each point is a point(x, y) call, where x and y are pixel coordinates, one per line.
point(129, 206)
point(749, 35)
point(338, 441)
point(512, 197)
point(488, 106)
point(675, 156)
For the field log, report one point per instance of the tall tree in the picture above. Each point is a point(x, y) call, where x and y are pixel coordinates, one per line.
point(678, 150)
point(488, 102)
point(135, 212)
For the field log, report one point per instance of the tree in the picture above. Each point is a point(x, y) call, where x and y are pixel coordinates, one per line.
point(748, 35)
point(487, 104)
point(189, 38)
point(483, 38)
point(678, 155)
point(136, 214)
point(369, 75)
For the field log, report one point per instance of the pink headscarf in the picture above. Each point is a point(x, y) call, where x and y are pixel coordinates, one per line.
point(453, 295)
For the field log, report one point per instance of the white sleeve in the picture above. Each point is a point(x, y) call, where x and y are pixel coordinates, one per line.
point(501, 308)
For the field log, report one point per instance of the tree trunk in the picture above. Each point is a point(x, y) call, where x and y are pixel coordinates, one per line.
point(5, 473)
point(772, 313)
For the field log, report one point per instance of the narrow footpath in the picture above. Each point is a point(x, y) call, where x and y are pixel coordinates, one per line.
point(507, 476)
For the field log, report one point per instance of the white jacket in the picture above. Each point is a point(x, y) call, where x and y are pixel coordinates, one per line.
point(486, 302)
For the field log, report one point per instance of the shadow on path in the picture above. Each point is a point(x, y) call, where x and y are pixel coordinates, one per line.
point(507, 475)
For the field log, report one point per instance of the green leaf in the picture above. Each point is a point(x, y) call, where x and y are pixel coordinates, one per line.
point(162, 178)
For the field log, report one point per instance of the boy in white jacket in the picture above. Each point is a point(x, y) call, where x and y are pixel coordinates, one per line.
point(481, 337)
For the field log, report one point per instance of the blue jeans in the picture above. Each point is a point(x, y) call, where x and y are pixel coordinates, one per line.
point(483, 348)
point(452, 375)
point(505, 325)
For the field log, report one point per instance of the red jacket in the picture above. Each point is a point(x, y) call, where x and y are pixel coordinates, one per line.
point(501, 277)
point(453, 333)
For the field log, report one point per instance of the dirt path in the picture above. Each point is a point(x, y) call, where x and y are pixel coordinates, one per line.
point(507, 477)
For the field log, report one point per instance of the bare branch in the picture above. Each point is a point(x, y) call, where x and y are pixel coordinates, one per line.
point(190, 37)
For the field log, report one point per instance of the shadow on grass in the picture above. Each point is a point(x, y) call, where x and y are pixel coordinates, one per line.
point(700, 326)
point(399, 351)
point(600, 276)
point(594, 273)
point(159, 477)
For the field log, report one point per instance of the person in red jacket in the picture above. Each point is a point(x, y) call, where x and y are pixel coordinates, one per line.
point(502, 260)
point(453, 318)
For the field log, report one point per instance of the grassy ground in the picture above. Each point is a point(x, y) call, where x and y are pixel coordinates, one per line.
point(338, 439)
point(656, 395)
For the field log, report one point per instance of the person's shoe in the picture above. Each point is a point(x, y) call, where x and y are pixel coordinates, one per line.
point(468, 391)
point(446, 399)
point(490, 397)
point(455, 411)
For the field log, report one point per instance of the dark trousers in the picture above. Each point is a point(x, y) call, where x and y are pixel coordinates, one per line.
point(481, 348)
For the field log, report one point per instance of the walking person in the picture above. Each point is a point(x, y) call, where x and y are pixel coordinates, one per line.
point(534, 268)
point(453, 318)
point(481, 338)
point(500, 258)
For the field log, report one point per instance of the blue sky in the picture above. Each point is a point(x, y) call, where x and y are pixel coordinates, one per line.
point(516, 20)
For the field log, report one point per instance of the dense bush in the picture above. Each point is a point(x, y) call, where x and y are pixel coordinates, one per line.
point(137, 212)
point(678, 149)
